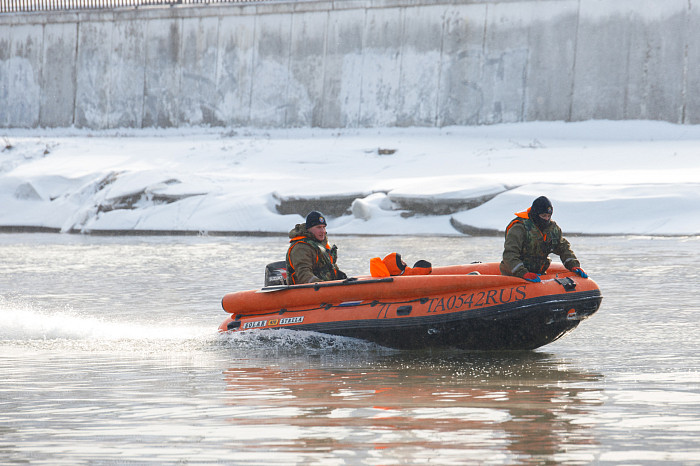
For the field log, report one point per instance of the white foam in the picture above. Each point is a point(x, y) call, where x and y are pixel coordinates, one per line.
point(24, 321)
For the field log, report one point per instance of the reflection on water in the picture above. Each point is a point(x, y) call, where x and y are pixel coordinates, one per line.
point(420, 406)
point(109, 354)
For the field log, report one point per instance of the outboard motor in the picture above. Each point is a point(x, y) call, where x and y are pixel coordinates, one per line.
point(276, 273)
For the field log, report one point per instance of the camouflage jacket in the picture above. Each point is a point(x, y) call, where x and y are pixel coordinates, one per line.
point(527, 248)
point(309, 260)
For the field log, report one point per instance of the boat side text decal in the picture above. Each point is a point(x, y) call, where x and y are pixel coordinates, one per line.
point(464, 301)
point(256, 324)
point(265, 323)
point(292, 320)
point(478, 299)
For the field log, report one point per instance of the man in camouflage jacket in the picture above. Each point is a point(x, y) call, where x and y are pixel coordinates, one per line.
point(309, 257)
point(530, 238)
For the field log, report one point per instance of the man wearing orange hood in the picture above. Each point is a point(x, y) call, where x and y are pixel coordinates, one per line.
point(392, 265)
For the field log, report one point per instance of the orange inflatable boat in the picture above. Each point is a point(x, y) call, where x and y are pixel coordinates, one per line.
point(463, 306)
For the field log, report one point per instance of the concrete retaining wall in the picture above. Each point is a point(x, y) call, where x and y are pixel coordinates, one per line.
point(353, 64)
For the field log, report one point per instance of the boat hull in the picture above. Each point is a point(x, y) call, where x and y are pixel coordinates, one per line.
point(449, 308)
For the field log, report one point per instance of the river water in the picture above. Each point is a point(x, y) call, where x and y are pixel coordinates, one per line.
point(109, 354)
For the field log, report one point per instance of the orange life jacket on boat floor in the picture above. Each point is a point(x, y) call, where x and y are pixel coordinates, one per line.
point(392, 265)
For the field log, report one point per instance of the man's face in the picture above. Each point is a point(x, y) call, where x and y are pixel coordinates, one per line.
point(318, 232)
point(546, 217)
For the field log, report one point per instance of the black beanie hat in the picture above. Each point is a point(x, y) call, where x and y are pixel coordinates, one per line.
point(541, 205)
point(315, 218)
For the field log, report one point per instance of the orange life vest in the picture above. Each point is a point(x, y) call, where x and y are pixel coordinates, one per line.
point(392, 264)
point(324, 264)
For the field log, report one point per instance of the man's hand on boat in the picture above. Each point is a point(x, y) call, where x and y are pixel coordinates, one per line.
point(532, 277)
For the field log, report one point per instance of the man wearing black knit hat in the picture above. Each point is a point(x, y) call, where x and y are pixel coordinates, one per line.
point(530, 238)
point(309, 257)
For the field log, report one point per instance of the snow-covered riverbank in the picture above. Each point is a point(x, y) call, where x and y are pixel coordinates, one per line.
point(603, 177)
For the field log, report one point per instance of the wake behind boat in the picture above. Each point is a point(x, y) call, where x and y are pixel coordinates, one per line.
point(470, 307)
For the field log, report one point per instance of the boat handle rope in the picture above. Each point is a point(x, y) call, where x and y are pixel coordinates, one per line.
point(327, 306)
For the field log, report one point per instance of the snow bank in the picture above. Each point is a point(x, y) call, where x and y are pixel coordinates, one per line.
point(603, 177)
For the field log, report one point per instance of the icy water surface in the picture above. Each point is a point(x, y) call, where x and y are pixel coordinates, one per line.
point(109, 354)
